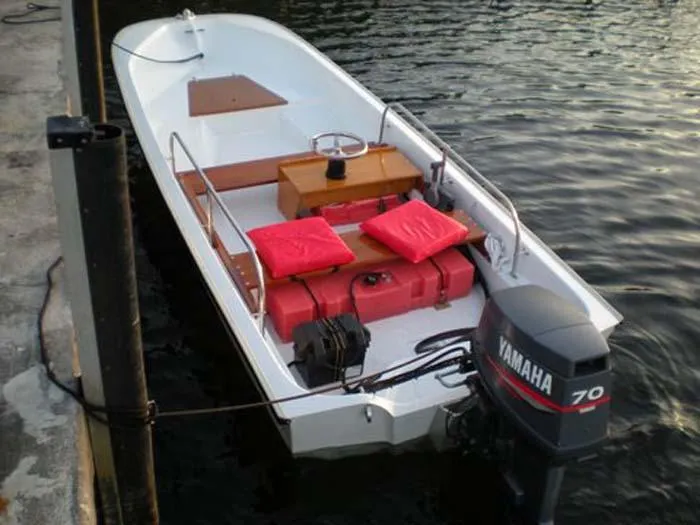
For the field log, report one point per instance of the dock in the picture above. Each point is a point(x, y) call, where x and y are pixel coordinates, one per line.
point(45, 465)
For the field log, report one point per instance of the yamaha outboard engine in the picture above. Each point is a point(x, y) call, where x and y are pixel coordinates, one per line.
point(544, 379)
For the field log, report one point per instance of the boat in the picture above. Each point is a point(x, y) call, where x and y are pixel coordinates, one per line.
point(381, 290)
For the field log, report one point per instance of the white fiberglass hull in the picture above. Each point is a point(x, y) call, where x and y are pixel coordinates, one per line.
point(320, 97)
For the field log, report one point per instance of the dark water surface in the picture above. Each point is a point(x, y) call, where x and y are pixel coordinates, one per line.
point(588, 115)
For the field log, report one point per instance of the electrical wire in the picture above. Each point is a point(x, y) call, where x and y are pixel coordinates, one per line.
point(159, 60)
point(19, 18)
point(306, 286)
point(371, 279)
point(128, 417)
point(266, 403)
point(423, 369)
point(428, 366)
point(444, 339)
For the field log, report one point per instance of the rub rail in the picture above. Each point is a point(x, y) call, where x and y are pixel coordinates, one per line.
point(213, 196)
point(448, 153)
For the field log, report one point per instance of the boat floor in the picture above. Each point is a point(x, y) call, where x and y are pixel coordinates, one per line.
point(393, 338)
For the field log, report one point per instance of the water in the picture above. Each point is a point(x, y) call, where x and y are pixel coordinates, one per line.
point(588, 114)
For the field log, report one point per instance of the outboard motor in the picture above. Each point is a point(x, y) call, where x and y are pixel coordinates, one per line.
point(544, 378)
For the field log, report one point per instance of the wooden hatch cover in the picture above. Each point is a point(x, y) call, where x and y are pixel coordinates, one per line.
point(208, 96)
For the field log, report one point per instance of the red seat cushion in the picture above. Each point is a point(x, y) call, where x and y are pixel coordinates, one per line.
point(300, 246)
point(415, 230)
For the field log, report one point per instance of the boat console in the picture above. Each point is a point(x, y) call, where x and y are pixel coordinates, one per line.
point(305, 184)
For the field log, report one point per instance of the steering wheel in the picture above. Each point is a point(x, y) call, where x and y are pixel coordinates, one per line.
point(338, 153)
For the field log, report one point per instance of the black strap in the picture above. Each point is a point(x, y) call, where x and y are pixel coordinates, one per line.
point(444, 339)
point(442, 293)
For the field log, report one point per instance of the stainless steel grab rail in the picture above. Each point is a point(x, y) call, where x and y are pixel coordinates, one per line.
point(448, 152)
point(212, 194)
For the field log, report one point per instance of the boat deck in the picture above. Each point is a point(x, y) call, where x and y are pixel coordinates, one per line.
point(247, 142)
point(393, 338)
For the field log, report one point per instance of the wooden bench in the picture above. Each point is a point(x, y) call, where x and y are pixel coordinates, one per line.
point(367, 252)
point(251, 173)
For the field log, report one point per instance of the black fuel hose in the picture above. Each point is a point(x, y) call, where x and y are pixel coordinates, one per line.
point(443, 340)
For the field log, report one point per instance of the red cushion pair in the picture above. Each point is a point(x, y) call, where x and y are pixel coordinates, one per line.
point(413, 230)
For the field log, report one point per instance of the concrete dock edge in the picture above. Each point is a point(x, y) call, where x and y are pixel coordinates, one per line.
point(46, 471)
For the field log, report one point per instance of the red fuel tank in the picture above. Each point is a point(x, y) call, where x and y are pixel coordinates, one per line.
point(405, 286)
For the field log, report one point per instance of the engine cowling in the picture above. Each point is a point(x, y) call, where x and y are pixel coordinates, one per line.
point(546, 367)
point(544, 371)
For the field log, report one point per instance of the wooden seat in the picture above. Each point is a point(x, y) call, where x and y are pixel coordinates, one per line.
point(251, 173)
point(367, 252)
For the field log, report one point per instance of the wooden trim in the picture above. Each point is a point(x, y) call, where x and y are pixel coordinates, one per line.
point(251, 173)
point(209, 96)
point(219, 247)
point(367, 250)
point(241, 174)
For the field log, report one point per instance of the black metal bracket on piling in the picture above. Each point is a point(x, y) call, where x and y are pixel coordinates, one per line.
point(89, 173)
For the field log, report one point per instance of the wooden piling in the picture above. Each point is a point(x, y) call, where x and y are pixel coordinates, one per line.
point(88, 165)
